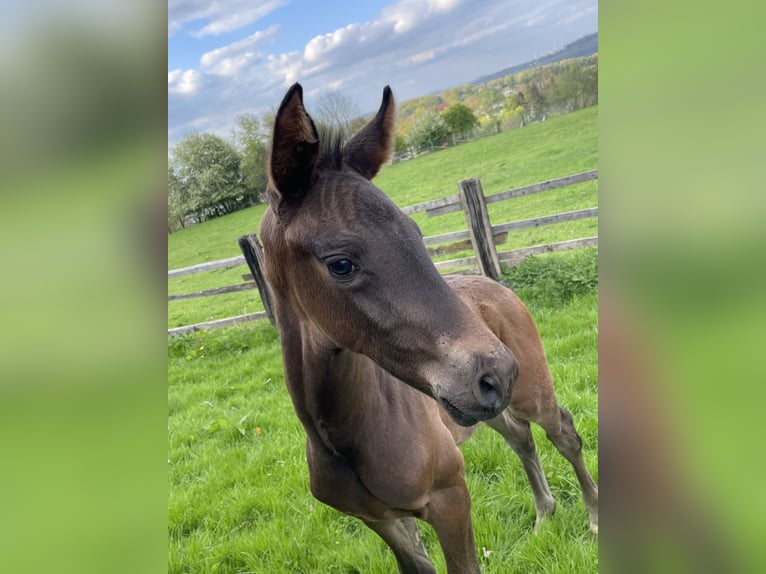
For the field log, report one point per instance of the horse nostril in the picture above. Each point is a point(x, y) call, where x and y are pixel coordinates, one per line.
point(488, 388)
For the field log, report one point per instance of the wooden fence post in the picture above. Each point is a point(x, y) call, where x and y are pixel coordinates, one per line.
point(479, 227)
point(253, 252)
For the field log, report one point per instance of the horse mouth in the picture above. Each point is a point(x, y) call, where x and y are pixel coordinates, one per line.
point(457, 415)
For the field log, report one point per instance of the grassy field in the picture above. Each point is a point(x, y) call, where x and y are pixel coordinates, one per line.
point(239, 499)
point(557, 147)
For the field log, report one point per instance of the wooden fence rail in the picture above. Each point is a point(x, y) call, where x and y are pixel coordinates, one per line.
point(209, 266)
point(482, 235)
point(452, 202)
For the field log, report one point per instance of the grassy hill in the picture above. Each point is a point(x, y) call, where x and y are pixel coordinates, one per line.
point(557, 147)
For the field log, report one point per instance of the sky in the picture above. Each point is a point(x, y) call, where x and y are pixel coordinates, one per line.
point(231, 57)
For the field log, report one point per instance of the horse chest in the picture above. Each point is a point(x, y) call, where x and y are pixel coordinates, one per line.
point(381, 447)
point(377, 479)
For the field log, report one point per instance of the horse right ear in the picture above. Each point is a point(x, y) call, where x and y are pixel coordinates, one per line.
point(294, 148)
point(370, 148)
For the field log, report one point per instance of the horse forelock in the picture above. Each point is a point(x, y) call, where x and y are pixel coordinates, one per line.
point(332, 142)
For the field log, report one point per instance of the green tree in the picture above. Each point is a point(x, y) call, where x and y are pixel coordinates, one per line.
point(206, 172)
point(576, 87)
point(517, 105)
point(177, 201)
point(251, 137)
point(490, 102)
point(428, 130)
point(400, 143)
point(536, 104)
point(460, 119)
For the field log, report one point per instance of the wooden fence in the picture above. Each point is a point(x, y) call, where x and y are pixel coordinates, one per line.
point(481, 236)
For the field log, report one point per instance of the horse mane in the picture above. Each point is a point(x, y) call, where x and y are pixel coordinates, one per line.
point(332, 144)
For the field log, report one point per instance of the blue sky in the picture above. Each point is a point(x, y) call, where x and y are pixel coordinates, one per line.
point(229, 57)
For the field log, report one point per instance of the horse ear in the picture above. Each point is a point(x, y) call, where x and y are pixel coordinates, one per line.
point(370, 148)
point(294, 148)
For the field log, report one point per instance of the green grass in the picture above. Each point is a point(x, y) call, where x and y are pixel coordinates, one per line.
point(239, 498)
point(555, 148)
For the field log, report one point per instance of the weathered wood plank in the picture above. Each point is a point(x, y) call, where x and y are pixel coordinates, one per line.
point(479, 226)
point(444, 237)
point(217, 291)
point(513, 225)
point(516, 256)
point(546, 220)
point(544, 186)
point(444, 265)
point(209, 266)
point(449, 207)
point(497, 238)
point(253, 254)
point(432, 204)
point(217, 323)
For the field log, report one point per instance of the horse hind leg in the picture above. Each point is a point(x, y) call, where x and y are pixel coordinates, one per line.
point(518, 435)
point(561, 432)
point(403, 537)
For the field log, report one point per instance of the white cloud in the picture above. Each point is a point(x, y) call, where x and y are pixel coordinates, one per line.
point(184, 82)
point(416, 46)
point(221, 15)
point(374, 39)
point(230, 60)
point(319, 46)
point(423, 57)
point(406, 14)
point(287, 66)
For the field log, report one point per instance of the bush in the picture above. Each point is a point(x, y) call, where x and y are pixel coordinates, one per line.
point(555, 277)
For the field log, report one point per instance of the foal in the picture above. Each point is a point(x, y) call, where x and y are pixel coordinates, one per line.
point(388, 364)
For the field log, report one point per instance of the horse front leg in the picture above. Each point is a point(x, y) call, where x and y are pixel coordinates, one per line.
point(449, 512)
point(560, 430)
point(403, 537)
point(518, 435)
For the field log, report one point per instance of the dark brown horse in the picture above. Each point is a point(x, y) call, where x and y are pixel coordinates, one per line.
point(389, 365)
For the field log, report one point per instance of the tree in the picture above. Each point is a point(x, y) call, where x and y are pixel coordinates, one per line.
point(337, 110)
point(206, 179)
point(491, 102)
point(528, 103)
point(428, 130)
point(576, 87)
point(251, 138)
point(535, 100)
point(177, 201)
point(460, 119)
point(517, 105)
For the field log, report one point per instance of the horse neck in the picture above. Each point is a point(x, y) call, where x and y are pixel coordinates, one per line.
point(334, 391)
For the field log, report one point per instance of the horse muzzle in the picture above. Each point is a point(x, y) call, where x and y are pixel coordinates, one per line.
point(488, 392)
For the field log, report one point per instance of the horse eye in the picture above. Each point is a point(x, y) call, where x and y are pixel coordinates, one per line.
point(341, 267)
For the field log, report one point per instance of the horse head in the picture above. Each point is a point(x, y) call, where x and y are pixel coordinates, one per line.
point(351, 268)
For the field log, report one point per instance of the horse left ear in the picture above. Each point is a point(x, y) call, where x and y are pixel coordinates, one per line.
point(370, 148)
point(294, 147)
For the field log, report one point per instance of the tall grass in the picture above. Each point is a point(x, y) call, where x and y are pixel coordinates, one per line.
point(239, 498)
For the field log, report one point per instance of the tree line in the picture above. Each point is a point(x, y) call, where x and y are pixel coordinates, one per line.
point(505, 103)
point(210, 176)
